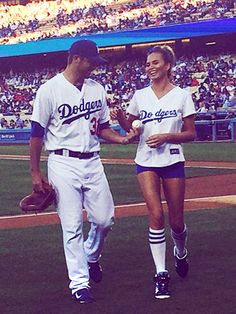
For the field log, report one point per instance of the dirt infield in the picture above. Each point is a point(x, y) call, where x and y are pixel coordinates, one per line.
point(201, 192)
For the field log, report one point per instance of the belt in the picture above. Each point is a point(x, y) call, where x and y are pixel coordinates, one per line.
point(70, 153)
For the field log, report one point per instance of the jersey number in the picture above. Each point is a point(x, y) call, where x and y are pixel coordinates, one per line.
point(94, 126)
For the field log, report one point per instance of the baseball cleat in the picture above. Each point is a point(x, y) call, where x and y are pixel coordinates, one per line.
point(83, 296)
point(95, 271)
point(162, 285)
point(181, 264)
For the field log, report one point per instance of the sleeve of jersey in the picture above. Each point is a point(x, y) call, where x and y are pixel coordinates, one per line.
point(42, 107)
point(133, 106)
point(105, 125)
point(37, 130)
point(188, 106)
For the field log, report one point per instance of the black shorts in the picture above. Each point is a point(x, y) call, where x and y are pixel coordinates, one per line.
point(173, 171)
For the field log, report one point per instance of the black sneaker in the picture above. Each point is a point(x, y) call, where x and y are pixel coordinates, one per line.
point(181, 264)
point(162, 285)
point(83, 296)
point(95, 271)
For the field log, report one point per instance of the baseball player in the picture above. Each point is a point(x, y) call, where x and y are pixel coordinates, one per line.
point(167, 115)
point(70, 113)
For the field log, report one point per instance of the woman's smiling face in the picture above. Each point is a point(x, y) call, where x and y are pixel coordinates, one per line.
point(156, 67)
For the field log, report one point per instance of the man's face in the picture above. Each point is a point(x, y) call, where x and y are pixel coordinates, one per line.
point(86, 66)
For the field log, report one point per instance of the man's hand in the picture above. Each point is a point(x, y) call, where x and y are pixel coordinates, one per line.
point(38, 201)
point(38, 181)
point(116, 113)
point(130, 136)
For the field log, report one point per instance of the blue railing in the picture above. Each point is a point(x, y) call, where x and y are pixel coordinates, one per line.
point(216, 130)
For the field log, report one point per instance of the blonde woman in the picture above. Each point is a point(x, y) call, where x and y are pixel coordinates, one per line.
point(167, 114)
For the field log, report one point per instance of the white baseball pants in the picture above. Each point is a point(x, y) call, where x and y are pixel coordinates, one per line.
point(81, 184)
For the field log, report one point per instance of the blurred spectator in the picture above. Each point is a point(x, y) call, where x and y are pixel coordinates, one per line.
point(213, 116)
point(232, 99)
point(65, 18)
point(122, 76)
point(202, 106)
point(12, 124)
point(19, 123)
point(230, 115)
point(2, 121)
point(27, 123)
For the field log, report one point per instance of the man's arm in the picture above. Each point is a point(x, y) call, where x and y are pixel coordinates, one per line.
point(110, 135)
point(36, 144)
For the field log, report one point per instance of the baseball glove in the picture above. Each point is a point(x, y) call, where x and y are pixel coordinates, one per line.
point(38, 201)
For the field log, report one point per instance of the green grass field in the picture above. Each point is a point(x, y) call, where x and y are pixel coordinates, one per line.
point(17, 183)
point(193, 151)
point(32, 267)
point(34, 278)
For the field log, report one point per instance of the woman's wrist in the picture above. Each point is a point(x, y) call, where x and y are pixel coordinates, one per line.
point(167, 138)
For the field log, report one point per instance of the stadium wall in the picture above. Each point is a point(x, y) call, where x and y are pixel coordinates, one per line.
point(22, 136)
point(216, 130)
point(18, 136)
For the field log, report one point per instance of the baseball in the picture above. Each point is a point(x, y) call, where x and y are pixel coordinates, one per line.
point(137, 124)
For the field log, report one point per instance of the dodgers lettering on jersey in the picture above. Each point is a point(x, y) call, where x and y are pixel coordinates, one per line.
point(71, 116)
point(164, 115)
point(84, 109)
point(158, 116)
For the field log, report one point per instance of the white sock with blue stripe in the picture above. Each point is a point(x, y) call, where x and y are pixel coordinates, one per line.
point(180, 240)
point(157, 242)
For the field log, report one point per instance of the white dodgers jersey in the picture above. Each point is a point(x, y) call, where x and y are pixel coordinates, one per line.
point(70, 116)
point(164, 115)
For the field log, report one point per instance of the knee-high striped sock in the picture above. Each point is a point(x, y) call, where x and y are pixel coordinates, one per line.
point(157, 242)
point(180, 240)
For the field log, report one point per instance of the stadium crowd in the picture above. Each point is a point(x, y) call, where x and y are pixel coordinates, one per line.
point(211, 80)
point(52, 19)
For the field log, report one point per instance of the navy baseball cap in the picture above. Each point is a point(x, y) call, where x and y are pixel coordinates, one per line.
point(87, 49)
